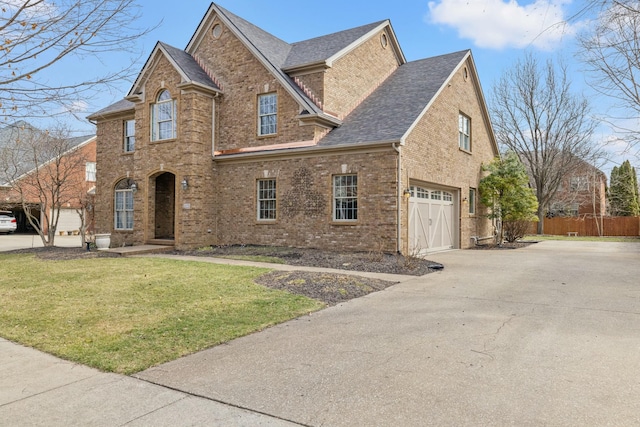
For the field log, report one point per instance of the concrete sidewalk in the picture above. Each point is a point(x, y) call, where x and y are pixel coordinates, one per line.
point(37, 389)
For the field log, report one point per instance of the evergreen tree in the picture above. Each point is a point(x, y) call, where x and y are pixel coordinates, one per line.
point(507, 193)
point(623, 191)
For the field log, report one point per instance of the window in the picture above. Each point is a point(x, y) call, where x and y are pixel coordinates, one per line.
point(90, 172)
point(345, 198)
point(267, 114)
point(163, 117)
point(124, 206)
point(129, 136)
point(464, 131)
point(472, 201)
point(579, 183)
point(267, 199)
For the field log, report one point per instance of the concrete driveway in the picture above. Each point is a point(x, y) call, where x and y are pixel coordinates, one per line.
point(545, 335)
point(10, 242)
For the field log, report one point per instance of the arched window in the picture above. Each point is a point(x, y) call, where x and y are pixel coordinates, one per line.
point(163, 117)
point(123, 203)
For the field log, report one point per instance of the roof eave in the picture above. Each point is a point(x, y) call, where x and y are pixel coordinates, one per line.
point(368, 146)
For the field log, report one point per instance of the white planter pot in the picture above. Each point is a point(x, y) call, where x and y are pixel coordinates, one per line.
point(103, 241)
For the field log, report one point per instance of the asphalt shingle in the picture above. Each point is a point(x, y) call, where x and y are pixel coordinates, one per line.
point(388, 113)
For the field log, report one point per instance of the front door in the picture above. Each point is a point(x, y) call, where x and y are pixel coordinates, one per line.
point(165, 206)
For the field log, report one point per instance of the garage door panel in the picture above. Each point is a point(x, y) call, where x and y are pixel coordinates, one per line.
point(431, 220)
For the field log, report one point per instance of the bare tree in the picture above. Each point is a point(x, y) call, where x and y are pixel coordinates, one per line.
point(38, 34)
point(50, 185)
point(610, 50)
point(536, 115)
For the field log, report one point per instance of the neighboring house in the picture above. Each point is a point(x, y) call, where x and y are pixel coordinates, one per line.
point(581, 192)
point(335, 142)
point(77, 165)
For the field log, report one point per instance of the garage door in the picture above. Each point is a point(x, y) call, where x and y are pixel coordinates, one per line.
point(432, 225)
point(69, 220)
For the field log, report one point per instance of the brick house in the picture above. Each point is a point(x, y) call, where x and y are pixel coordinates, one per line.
point(336, 142)
point(583, 192)
point(72, 161)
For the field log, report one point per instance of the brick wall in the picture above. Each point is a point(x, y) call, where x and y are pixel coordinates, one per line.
point(304, 197)
point(356, 75)
point(243, 78)
point(432, 156)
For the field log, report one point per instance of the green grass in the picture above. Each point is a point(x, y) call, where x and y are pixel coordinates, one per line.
point(127, 314)
point(537, 237)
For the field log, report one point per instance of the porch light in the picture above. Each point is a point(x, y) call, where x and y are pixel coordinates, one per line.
point(407, 193)
point(185, 183)
point(134, 187)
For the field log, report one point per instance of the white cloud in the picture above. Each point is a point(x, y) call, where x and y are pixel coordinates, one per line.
point(499, 24)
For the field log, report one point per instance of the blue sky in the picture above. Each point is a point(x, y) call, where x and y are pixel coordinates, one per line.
point(497, 31)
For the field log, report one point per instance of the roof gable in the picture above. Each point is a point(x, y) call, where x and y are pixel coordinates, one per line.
point(186, 65)
point(402, 99)
point(325, 50)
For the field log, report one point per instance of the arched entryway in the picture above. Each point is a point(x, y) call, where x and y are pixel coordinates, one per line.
point(164, 212)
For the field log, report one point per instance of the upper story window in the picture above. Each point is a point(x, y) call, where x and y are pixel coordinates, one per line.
point(163, 117)
point(123, 215)
point(464, 132)
point(267, 199)
point(579, 183)
point(345, 198)
point(90, 171)
point(267, 114)
point(129, 136)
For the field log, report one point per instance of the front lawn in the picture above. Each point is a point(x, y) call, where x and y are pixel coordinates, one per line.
point(127, 314)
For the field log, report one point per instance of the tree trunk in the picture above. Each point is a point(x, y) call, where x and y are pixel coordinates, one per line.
point(540, 227)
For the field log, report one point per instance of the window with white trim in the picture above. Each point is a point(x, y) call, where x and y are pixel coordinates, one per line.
point(472, 201)
point(163, 117)
point(267, 201)
point(267, 114)
point(123, 206)
point(90, 172)
point(464, 132)
point(345, 197)
point(129, 136)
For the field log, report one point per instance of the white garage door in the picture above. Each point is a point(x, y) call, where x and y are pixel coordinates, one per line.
point(69, 220)
point(432, 225)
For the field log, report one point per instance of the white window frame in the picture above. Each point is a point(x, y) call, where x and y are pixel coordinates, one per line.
point(90, 172)
point(472, 201)
point(267, 114)
point(267, 198)
point(464, 132)
point(345, 198)
point(129, 136)
point(163, 117)
point(123, 206)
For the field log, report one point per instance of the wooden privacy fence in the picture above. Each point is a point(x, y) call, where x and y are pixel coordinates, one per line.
point(589, 226)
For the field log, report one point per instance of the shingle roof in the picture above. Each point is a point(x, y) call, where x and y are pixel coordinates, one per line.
point(22, 161)
point(189, 67)
point(117, 107)
point(390, 111)
point(274, 49)
point(322, 48)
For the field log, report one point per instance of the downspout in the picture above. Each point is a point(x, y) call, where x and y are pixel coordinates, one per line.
point(396, 147)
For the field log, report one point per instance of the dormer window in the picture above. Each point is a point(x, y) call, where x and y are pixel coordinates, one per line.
point(163, 117)
point(267, 114)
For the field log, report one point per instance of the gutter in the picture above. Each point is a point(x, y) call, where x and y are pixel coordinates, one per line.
point(400, 193)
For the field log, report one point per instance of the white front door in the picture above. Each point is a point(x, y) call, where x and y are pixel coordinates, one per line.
point(432, 223)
